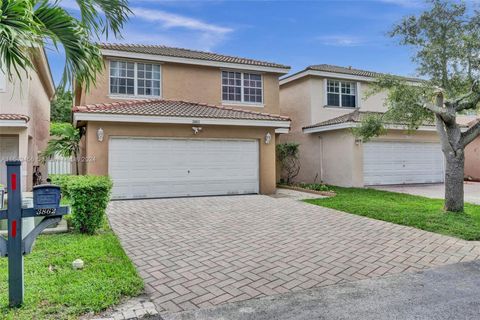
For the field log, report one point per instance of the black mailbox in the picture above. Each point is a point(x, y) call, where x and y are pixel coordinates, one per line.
point(46, 199)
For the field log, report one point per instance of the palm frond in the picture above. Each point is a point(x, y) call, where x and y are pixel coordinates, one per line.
point(82, 58)
point(64, 141)
point(17, 36)
point(27, 24)
point(104, 16)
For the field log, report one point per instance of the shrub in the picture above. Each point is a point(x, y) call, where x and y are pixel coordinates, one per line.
point(61, 180)
point(314, 186)
point(88, 197)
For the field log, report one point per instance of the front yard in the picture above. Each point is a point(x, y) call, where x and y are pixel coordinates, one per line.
point(414, 211)
point(53, 290)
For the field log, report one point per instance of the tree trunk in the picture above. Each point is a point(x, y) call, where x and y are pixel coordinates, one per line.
point(76, 163)
point(454, 176)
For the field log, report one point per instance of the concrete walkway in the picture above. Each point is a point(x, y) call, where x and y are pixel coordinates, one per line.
point(472, 190)
point(201, 252)
point(450, 293)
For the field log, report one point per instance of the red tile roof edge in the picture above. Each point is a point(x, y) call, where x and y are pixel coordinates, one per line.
point(112, 105)
point(14, 116)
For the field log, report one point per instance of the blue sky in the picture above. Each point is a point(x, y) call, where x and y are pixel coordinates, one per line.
point(295, 33)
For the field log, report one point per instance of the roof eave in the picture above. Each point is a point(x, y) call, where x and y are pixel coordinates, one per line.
point(347, 125)
point(328, 74)
point(45, 73)
point(211, 63)
point(17, 123)
point(108, 117)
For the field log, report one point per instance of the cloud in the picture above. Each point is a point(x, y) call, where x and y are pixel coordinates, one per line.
point(340, 40)
point(153, 26)
point(198, 41)
point(171, 20)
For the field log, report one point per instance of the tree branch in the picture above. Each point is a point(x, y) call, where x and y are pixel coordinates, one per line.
point(467, 101)
point(471, 104)
point(445, 114)
point(470, 135)
point(447, 147)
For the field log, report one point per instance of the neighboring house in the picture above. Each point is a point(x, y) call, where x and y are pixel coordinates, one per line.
point(167, 122)
point(472, 151)
point(325, 102)
point(25, 118)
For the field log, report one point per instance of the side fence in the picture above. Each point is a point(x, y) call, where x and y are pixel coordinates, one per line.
point(60, 165)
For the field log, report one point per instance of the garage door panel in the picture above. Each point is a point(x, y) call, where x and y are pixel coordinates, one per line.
point(402, 163)
point(144, 168)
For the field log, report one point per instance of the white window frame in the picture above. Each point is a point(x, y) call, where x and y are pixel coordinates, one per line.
point(135, 84)
point(340, 82)
point(242, 87)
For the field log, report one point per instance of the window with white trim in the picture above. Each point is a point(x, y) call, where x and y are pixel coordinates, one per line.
point(341, 94)
point(135, 79)
point(242, 87)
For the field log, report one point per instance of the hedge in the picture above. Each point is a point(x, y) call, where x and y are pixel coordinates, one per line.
point(88, 197)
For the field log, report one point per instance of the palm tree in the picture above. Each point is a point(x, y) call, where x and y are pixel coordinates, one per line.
point(26, 25)
point(65, 142)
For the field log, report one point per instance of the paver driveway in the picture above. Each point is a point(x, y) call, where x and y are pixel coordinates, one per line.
point(199, 252)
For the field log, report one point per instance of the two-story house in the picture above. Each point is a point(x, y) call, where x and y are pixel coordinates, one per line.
point(25, 117)
point(324, 103)
point(168, 122)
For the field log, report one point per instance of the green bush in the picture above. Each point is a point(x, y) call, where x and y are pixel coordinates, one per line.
point(88, 197)
point(315, 186)
point(61, 180)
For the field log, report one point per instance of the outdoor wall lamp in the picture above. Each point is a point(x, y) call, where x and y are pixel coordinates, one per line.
point(196, 130)
point(268, 138)
point(100, 134)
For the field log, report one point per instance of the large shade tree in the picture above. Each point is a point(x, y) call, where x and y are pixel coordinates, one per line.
point(446, 43)
point(26, 25)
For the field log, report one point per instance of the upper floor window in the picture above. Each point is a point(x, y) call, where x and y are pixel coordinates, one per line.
point(341, 94)
point(242, 87)
point(132, 78)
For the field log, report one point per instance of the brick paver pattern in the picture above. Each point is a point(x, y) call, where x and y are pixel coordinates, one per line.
point(201, 252)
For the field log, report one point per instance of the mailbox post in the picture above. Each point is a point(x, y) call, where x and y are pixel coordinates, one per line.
point(14, 245)
point(46, 200)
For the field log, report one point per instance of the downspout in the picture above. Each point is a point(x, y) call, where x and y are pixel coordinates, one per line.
point(321, 159)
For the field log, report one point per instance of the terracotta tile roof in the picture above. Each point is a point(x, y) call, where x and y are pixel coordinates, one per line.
point(353, 117)
point(174, 108)
point(188, 54)
point(13, 116)
point(467, 121)
point(354, 72)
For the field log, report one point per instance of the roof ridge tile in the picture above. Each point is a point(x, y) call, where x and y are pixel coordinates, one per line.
point(191, 54)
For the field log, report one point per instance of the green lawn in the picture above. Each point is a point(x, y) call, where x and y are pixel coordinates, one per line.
point(415, 211)
point(53, 290)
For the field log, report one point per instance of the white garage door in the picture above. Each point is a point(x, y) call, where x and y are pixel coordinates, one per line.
point(150, 168)
point(402, 163)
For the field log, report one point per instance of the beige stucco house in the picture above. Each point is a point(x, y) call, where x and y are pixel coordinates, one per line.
point(168, 122)
point(324, 103)
point(472, 150)
point(25, 117)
